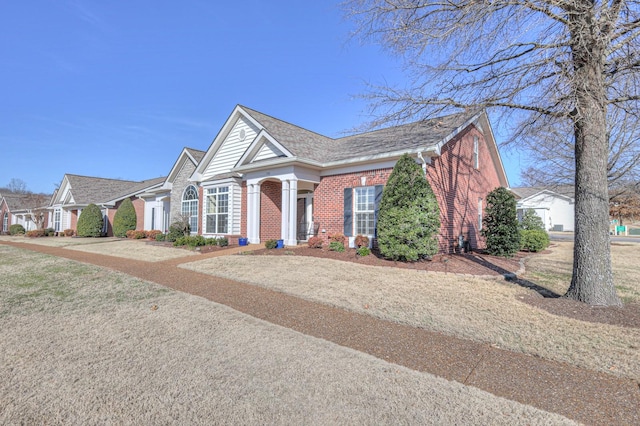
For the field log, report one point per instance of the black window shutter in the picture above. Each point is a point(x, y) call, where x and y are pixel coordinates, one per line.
point(377, 200)
point(348, 212)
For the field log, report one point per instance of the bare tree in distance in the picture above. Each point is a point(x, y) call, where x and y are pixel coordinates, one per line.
point(17, 186)
point(551, 153)
point(566, 62)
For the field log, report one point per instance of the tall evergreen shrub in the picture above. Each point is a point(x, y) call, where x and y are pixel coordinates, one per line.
point(90, 222)
point(531, 221)
point(500, 226)
point(125, 219)
point(409, 216)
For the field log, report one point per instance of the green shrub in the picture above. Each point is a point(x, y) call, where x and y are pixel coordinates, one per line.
point(534, 240)
point(192, 241)
point(409, 215)
point(363, 251)
point(223, 241)
point(271, 244)
point(90, 222)
point(500, 225)
point(160, 237)
point(176, 231)
point(336, 246)
point(180, 241)
point(315, 242)
point(125, 219)
point(49, 232)
point(16, 229)
point(212, 241)
point(531, 221)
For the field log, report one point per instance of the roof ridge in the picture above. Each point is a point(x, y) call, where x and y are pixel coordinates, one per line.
point(251, 110)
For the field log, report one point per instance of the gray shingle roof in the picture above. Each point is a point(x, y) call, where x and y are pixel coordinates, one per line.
point(196, 154)
point(306, 144)
point(87, 189)
point(18, 202)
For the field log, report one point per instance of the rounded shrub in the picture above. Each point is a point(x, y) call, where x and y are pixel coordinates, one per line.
point(409, 215)
point(90, 222)
point(125, 219)
point(534, 240)
point(271, 244)
point(336, 246)
point(16, 229)
point(500, 227)
point(315, 242)
point(363, 251)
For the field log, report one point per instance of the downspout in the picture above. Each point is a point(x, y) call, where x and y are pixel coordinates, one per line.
point(424, 162)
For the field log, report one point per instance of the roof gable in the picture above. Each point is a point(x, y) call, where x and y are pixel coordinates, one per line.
point(85, 190)
point(187, 154)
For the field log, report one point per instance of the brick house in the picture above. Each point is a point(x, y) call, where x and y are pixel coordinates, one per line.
point(77, 192)
point(20, 209)
point(264, 178)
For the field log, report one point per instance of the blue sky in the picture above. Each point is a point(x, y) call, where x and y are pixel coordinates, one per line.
point(117, 89)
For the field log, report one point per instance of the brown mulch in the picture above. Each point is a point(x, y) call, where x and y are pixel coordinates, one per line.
point(586, 396)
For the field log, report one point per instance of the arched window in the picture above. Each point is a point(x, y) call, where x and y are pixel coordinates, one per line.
point(5, 222)
point(190, 206)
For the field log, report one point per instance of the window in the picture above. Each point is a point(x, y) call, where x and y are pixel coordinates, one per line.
point(190, 207)
point(365, 210)
point(218, 210)
point(5, 222)
point(153, 218)
point(479, 213)
point(476, 159)
point(56, 220)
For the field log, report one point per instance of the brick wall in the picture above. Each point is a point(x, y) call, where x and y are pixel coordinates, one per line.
point(270, 210)
point(328, 203)
point(453, 177)
point(138, 205)
point(74, 220)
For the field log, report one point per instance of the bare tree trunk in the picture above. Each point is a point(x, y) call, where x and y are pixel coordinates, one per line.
point(592, 280)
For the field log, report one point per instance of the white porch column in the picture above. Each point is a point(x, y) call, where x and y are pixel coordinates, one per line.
point(253, 213)
point(284, 228)
point(293, 213)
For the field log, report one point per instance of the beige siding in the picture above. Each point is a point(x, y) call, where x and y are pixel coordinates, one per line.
point(231, 149)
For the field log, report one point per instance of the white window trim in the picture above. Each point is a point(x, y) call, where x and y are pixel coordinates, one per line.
point(196, 200)
point(229, 213)
point(356, 211)
point(476, 153)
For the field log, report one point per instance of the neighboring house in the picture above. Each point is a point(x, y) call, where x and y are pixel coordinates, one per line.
point(555, 206)
point(176, 197)
point(28, 210)
point(264, 178)
point(77, 192)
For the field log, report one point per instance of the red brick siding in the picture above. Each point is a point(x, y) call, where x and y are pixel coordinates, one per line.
point(74, 220)
point(243, 209)
point(328, 203)
point(270, 210)
point(458, 185)
point(455, 181)
point(138, 205)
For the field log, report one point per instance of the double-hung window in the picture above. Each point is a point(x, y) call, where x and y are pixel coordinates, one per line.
point(217, 210)
point(364, 210)
point(5, 222)
point(56, 220)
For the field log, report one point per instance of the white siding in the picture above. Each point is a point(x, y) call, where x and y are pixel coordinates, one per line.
point(268, 150)
point(236, 203)
point(231, 149)
point(552, 209)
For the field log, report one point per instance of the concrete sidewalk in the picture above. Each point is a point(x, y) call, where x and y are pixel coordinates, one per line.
point(586, 396)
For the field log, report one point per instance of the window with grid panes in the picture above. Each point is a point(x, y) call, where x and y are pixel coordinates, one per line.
point(364, 210)
point(217, 208)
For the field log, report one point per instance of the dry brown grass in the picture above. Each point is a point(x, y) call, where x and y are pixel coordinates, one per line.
point(84, 345)
point(489, 311)
point(553, 270)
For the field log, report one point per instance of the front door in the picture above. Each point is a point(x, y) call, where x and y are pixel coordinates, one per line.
point(306, 226)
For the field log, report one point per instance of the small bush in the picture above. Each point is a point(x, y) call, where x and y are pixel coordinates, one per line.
point(36, 233)
point(152, 234)
point(160, 237)
point(50, 232)
point(69, 232)
point(315, 242)
point(223, 241)
point(16, 229)
point(211, 241)
point(337, 238)
point(271, 244)
point(90, 222)
point(180, 241)
point(534, 240)
point(176, 231)
point(192, 241)
point(336, 246)
point(363, 251)
point(362, 241)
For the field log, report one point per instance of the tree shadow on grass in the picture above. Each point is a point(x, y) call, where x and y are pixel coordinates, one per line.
point(510, 276)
